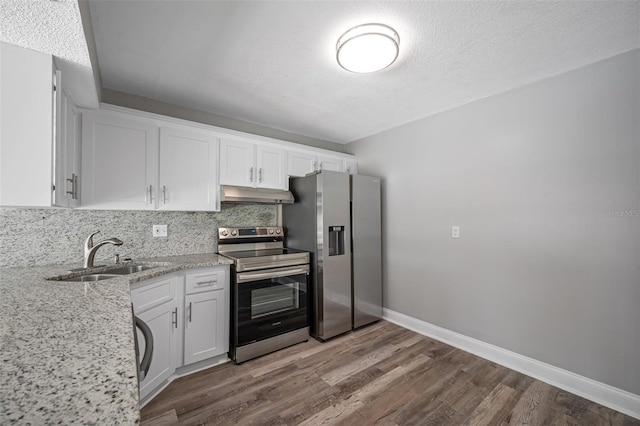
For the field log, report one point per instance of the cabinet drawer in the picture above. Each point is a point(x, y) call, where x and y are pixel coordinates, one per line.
point(208, 280)
point(152, 294)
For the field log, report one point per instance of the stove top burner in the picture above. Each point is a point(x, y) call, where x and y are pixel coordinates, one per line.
point(258, 248)
point(245, 254)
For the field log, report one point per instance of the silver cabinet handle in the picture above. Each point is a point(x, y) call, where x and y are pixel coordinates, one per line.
point(164, 194)
point(206, 282)
point(150, 194)
point(189, 311)
point(260, 175)
point(74, 186)
point(251, 174)
point(174, 319)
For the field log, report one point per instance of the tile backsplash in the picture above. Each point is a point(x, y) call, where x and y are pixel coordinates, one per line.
point(33, 237)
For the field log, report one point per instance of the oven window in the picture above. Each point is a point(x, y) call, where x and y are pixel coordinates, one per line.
point(283, 296)
point(269, 307)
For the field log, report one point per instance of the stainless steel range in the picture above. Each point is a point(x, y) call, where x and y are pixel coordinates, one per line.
point(269, 291)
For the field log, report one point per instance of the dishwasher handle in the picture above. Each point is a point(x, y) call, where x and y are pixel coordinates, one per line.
point(143, 368)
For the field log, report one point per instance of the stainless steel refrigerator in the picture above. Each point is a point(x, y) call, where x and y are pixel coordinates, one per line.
point(336, 217)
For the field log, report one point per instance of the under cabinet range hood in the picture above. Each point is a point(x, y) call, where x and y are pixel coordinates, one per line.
point(241, 194)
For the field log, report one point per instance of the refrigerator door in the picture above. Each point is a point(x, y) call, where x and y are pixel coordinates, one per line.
point(333, 290)
point(367, 249)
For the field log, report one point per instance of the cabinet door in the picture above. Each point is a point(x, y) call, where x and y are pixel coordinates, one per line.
point(59, 143)
point(162, 322)
point(67, 193)
point(330, 163)
point(119, 162)
point(351, 167)
point(237, 163)
point(73, 153)
point(300, 163)
point(188, 170)
point(206, 332)
point(26, 117)
point(271, 167)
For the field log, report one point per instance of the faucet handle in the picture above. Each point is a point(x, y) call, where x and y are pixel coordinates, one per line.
point(89, 242)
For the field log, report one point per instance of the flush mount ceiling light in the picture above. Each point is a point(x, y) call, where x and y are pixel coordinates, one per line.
point(368, 48)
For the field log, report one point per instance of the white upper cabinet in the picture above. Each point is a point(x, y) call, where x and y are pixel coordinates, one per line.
point(188, 170)
point(119, 162)
point(271, 167)
point(237, 162)
point(67, 153)
point(27, 112)
point(351, 166)
point(250, 164)
point(133, 163)
point(330, 163)
point(300, 163)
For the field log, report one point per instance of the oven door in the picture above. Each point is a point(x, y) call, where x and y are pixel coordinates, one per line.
point(270, 302)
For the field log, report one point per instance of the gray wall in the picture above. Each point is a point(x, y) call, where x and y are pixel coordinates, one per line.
point(32, 237)
point(544, 183)
point(157, 107)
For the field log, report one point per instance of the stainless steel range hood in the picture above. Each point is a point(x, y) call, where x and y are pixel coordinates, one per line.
point(240, 194)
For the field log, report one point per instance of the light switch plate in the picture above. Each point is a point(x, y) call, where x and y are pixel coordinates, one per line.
point(159, 230)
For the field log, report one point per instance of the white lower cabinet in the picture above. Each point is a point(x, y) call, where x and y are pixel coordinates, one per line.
point(156, 303)
point(188, 314)
point(161, 322)
point(204, 332)
point(206, 307)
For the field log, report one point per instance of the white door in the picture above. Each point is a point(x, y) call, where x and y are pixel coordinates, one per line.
point(188, 170)
point(271, 167)
point(72, 154)
point(60, 143)
point(26, 114)
point(119, 163)
point(162, 322)
point(205, 334)
point(300, 163)
point(237, 163)
point(330, 163)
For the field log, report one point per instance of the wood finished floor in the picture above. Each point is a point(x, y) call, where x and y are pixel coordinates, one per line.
point(379, 375)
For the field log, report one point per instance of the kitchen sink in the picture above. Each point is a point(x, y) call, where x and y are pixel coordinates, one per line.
point(105, 275)
point(131, 269)
point(91, 277)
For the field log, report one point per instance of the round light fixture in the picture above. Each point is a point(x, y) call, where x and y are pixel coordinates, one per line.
point(368, 48)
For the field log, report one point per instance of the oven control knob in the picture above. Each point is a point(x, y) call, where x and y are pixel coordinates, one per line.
point(234, 232)
point(224, 233)
point(277, 231)
point(270, 231)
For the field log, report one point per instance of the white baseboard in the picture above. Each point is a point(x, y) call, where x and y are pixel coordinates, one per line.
point(609, 396)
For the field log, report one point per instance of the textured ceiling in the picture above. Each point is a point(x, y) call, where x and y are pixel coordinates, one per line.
point(53, 27)
point(273, 62)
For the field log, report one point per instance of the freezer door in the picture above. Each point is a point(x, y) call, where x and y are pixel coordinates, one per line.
point(333, 287)
point(366, 230)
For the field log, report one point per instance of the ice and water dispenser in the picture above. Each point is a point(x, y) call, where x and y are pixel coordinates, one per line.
point(336, 240)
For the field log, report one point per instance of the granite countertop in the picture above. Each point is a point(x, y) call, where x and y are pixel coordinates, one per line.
point(66, 348)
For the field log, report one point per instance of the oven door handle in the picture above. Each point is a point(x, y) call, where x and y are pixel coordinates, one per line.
point(272, 273)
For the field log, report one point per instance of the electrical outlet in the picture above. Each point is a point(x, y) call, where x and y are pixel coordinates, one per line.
point(455, 232)
point(159, 230)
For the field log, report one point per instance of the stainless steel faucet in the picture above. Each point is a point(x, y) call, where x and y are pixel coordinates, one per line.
point(90, 249)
